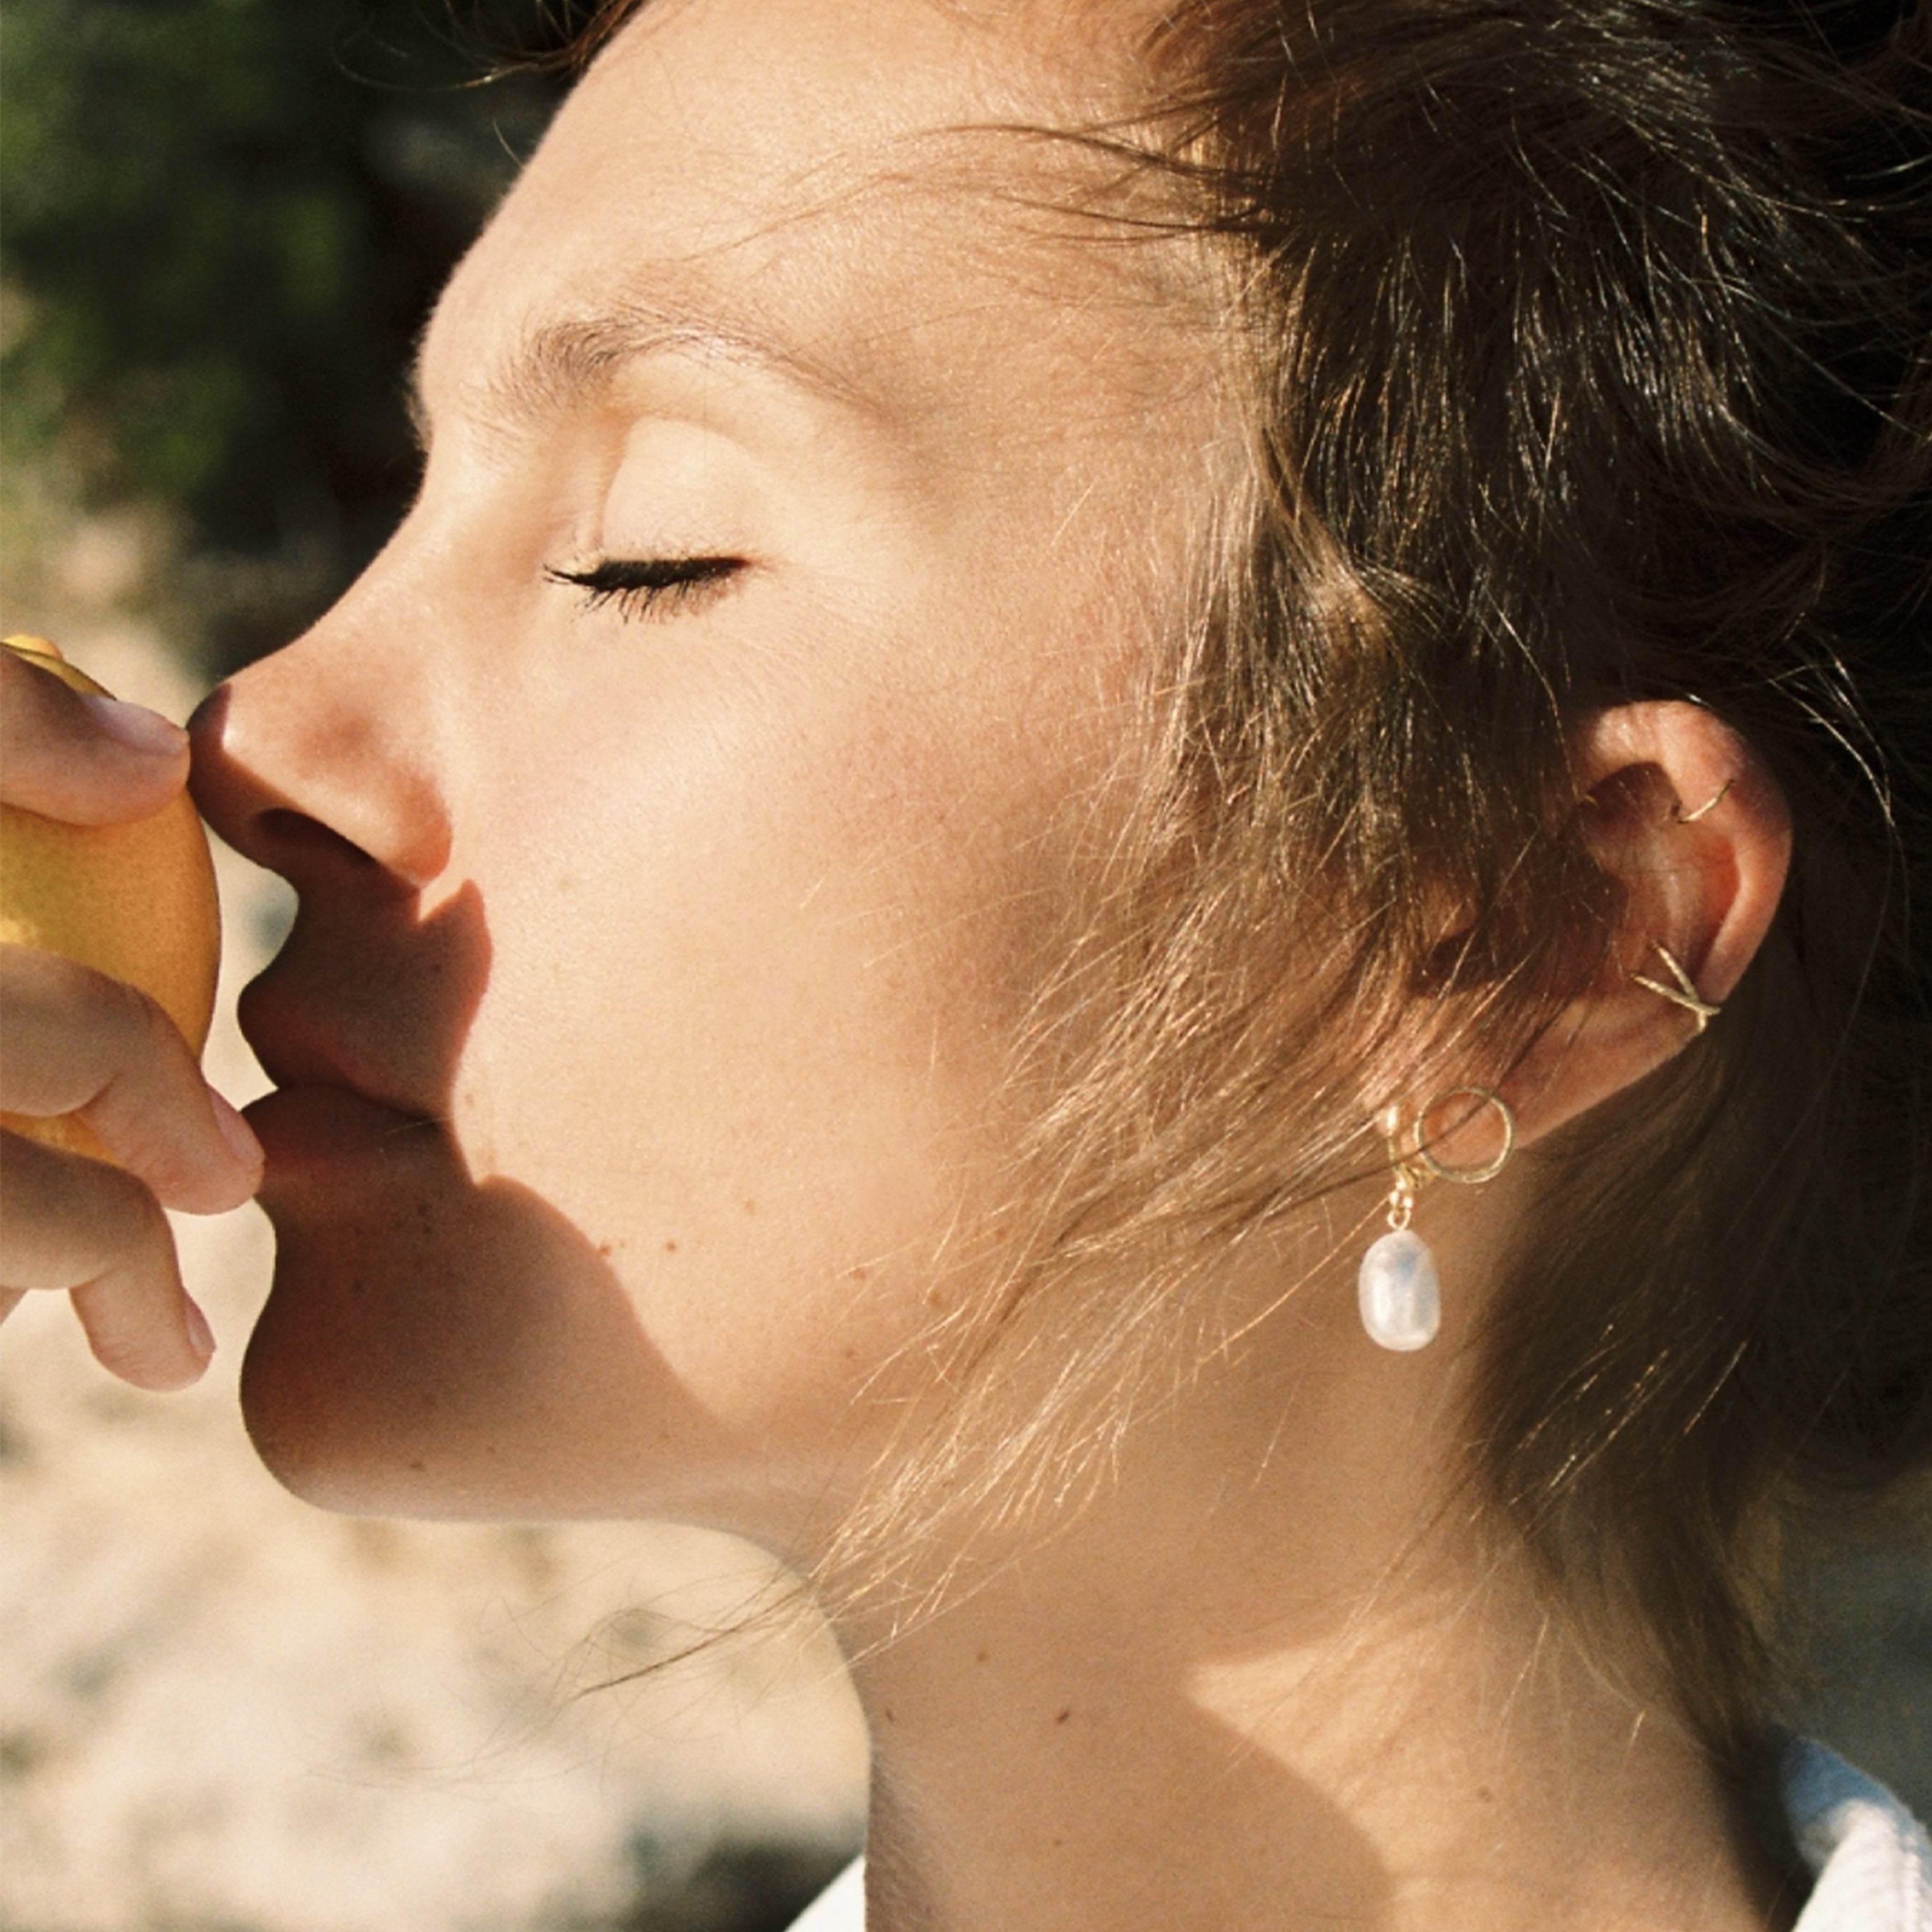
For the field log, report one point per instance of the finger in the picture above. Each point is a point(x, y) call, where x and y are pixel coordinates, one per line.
point(82, 759)
point(78, 1043)
point(80, 1224)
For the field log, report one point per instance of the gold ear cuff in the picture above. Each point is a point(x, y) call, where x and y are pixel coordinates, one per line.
point(1685, 993)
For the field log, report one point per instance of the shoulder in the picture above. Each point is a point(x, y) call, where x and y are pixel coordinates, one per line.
point(1871, 1858)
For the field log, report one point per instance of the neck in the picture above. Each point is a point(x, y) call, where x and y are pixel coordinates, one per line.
point(1276, 1700)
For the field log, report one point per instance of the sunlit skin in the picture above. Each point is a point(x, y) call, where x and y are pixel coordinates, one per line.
point(647, 1037)
point(709, 921)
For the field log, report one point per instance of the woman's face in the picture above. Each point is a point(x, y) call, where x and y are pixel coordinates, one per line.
point(688, 804)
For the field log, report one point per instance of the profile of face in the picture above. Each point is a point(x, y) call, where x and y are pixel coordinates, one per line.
point(686, 807)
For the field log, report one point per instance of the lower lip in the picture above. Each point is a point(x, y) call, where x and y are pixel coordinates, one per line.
point(303, 1126)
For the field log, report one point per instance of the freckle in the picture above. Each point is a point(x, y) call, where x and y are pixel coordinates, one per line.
point(604, 1249)
point(671, 1247)
point(751, 1206)
point(1483, 1793)
point(1063, 1716)
point(999, 1233)
point(932, 1297)
point(850, 1354)
point(857, 1274)
point(889, 1718)
point(416, 1464)
point(984, 1657)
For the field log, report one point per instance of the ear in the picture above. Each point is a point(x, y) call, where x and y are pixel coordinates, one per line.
point(1680, 812)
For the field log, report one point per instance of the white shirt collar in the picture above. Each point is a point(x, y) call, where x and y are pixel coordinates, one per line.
point(1871, 1859)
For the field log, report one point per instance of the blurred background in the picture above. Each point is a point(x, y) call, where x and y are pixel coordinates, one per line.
point(222, 223)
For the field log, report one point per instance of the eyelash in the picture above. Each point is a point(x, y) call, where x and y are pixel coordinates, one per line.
point(650, 586)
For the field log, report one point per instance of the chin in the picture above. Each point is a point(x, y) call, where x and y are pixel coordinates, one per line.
point(329, 1432)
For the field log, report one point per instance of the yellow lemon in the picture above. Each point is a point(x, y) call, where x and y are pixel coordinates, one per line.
point(135, 901)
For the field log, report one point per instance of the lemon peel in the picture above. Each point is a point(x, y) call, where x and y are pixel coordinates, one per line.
point(136, 901)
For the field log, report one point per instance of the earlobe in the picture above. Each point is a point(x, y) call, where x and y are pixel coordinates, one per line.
point(1685, 818)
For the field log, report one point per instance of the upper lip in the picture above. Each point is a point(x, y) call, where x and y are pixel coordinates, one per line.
point(298, 1048)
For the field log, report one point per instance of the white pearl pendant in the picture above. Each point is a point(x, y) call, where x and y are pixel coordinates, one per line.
point(1399, 1292)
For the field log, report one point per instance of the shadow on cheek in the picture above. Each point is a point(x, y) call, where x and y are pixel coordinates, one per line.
point(432, 1345)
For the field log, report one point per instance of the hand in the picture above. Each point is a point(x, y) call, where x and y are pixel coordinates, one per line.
point(75, 1041)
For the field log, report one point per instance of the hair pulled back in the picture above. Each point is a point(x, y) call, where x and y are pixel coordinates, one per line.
point(1590, 344)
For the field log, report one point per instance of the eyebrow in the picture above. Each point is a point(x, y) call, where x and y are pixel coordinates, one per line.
point(559, 364)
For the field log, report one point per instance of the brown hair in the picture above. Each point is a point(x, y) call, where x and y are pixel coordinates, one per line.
point(1586, 345)
point(1593, 340)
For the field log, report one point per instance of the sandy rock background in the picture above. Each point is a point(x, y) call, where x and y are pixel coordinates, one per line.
point(221, 1710)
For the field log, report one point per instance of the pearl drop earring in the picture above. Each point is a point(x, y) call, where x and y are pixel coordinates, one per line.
point(1398, 1289)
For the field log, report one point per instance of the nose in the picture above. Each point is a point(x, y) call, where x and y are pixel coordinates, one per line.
point(320, 763)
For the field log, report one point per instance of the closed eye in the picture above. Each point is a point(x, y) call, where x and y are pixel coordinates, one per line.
point(652, 586)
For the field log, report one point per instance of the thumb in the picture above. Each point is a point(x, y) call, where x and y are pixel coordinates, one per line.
point(81, 756)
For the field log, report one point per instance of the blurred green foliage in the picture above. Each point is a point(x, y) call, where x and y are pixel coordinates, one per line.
point(224, 223)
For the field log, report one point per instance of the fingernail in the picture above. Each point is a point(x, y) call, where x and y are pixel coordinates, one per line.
point(198, 1332)
point(137, 727)
point(237, 1133)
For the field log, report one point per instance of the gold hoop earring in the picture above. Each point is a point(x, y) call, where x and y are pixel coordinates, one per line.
point(1677, 815)
point(1684, 994)
point(1398, 1289)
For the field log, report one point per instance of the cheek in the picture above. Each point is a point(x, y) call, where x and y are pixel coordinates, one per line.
point(755, 977)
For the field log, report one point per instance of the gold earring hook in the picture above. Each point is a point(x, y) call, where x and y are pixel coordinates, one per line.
point(1414, 1163)
point(1488, 1170)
